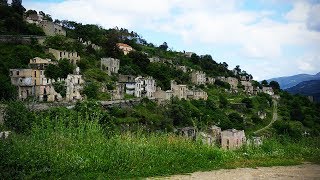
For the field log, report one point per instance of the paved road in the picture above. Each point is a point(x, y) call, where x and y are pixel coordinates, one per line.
point(303, 172)
point(274, 117)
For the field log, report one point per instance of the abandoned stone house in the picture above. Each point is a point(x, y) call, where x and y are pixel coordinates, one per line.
point(232, 139)
point(248, 88)
point(73, 57)
point(233, 82)
point(24, 81)
point(188, 54)
point(129, 83)
point(39, 63)
point(89, 43)
point(210, 80)
point(154, 59)
point(188, 132)
point(183, 68)
point(198, 78)
point(110, 65)
point(197, 94)
point(145, 87)
point(180, 91)
point(34, 19)
point(125, 48)
point(268, 90)
point(118, 92)
point(33, 83)
point(161, 95)
point(227, 139)
point(51, 28)
point(74, 83)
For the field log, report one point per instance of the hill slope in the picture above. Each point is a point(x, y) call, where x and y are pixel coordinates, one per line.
point(308, 88)
point(290, 81)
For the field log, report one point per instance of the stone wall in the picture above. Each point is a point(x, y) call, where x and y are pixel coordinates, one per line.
point(21, 39)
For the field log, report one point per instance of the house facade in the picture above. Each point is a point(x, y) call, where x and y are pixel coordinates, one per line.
point(129, 83)
point(268, 90)
point(74, 83)
point(73, 57)
point(198, 78)
point(232, 139)
point(110, 65)
point(248, 87)
point(39, 63)
point(197, 94)
point(51, 28)
point(180, 91)
point(145, 87)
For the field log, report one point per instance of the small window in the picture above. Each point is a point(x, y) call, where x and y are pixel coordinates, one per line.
point(17, 73)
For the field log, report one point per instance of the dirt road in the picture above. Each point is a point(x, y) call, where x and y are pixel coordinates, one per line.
point(274, 117)
point(305, 172)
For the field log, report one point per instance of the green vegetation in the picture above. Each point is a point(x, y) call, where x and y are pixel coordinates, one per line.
point(139, 141)
point(78, 144)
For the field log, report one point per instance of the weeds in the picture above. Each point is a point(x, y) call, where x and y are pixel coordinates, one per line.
point(77, 147)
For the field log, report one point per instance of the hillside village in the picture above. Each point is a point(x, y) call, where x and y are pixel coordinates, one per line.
point(32, 82)
point(80, 101)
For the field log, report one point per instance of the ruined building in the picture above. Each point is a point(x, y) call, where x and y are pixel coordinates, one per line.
point(110, 65)
point(73, 57)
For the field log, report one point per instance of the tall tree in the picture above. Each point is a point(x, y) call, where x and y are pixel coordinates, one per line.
point(265, 83)
point(164, 46)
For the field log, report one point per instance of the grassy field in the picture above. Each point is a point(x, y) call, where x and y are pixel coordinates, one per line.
point(78, 148)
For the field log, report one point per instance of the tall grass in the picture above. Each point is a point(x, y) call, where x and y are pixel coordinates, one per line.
point(72, 146)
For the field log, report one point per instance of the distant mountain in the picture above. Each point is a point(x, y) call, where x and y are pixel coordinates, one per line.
point(307, 88)
point(290, 81)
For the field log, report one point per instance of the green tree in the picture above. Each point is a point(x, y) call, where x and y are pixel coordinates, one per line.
point(265, 83)
point(164, 46)
point(18, 117)
point(237, 120)
point(91, 90)
point(248, 102)
point(223, 102)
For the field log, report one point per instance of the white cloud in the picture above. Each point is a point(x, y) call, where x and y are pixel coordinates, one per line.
point(208, 23)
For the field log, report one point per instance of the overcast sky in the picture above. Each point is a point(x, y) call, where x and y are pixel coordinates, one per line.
point(267, 38)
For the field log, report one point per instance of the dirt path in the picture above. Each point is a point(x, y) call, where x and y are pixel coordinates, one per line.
point(274, 117)
point(305, 172)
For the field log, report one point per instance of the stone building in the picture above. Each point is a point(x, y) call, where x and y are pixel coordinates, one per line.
point(24, 81)
point(210, 80)
point(268, 90)
point(39, 63)
point(233, 82)
point(129, 83)
point(51, 28)
point(180, 91)
point(188, 54)
point(198, 78)
point(118, 92)
point(188, 132)
point(110, 65)
point(34, 18)
point(183, 68)
point(212, 136)
point(73, 57)
point(248, 87)
point(74, 84)
point(154, 59)
point(197, 94)
point(232, 138)
point(145, 87)
point(125, 48)
point(161, 95)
